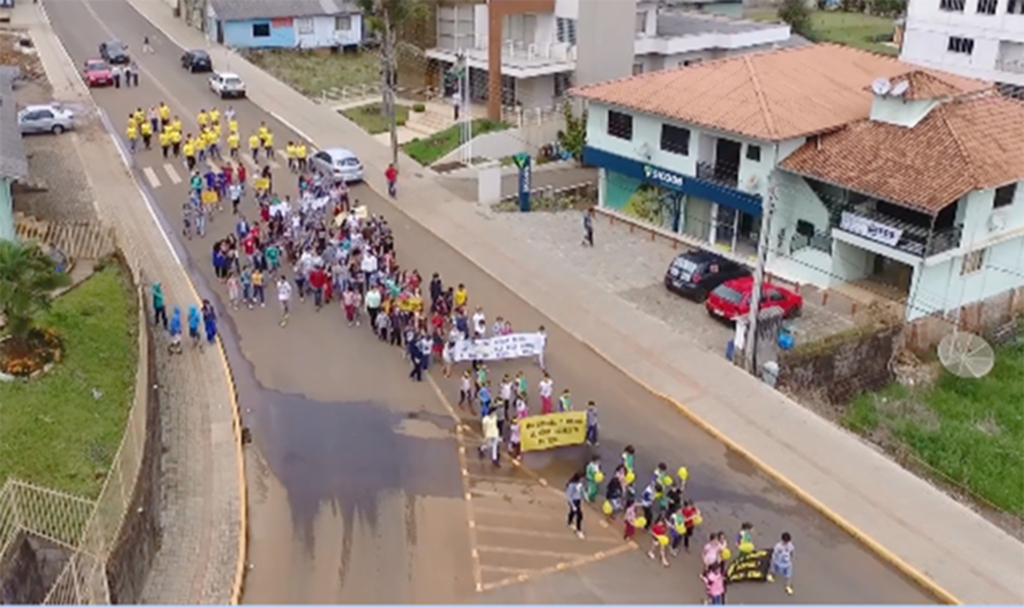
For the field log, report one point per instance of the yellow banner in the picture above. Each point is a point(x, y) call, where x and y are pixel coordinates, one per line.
point(539, 432)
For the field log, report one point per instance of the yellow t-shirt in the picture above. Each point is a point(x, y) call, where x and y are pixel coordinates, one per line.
point(131, 131)
point(165, 139)
point(214, 116)
point(233, 141)
point(233, 125)
point(190, 149)
point(290, 151)
point(146, 127)
point(460, 297)
point(140, 117)
point(211, 137)
point(300, 151)
point(202, 119)
point(254, 142)
point(257, 278)
point(176, 125)
point(175, 136)
point(268, 140)
point(263, 131)
point(165, 113)
point(200, 143)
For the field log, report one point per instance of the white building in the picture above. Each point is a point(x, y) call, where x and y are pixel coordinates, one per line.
point(884, 174)
point(542, 59)
point(977, 38)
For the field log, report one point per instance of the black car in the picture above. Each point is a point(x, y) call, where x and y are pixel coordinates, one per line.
point(114, 52)
point(197, 61)
point(694, 274)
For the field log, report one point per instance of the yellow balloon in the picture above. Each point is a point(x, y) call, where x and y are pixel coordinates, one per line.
point(663, 540)
point(630, 477)
point(681, 529)
point(746, 547)
point(606, 507)
point(697, 520)
point(683, 473)
point(598, 476)
point(640, 522)
point(667, 480)
point(726, 554)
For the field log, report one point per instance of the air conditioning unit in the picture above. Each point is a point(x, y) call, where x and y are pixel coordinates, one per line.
point(644, 151)
point(996, 222)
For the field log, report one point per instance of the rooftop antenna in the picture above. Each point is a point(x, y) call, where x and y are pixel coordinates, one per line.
point(881, 86)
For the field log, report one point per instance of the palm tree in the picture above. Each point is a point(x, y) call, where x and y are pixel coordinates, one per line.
point(28, 278)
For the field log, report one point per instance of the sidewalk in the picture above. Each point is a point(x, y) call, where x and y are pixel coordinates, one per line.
point(928, 535)
point(202, 545)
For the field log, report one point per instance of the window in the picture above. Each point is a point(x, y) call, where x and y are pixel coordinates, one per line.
point(973, 262)
point(987, 7)
point(641, 22)
point(952, 5)
point(620, 125)
point(675, 139)
point(566, 30)
point(689, 62)
point(1015, 7)
point(960, 45)
point(754, 153)
point(304, 26)
point(260, 30)
point(1004, 196)
point(638, 68)
point(342, 23)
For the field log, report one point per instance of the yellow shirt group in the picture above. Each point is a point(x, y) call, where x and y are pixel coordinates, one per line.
point(165, 112)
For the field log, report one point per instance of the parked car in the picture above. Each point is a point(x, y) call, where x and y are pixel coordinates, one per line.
point(340, 163)
point(47, 118)
point(97, 73)
point(731, 299)
point(115, 52)
point(694, 274)
point(197, 61)
point(227, 84)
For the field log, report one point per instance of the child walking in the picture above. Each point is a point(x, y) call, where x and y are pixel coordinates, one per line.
point(782, 562)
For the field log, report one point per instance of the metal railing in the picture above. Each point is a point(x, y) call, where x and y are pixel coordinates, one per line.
point(913, 239)
point(717, 174)
point(519, 116)
point(350, 93)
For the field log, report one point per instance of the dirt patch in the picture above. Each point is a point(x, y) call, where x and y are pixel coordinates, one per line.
point(17, 49)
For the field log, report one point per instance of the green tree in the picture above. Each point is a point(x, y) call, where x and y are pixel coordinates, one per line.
point(574, 137)
point(798, 15)
point(28, 278)
point(388, 19)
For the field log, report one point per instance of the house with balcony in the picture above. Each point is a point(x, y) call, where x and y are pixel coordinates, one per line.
point(541, 51)
point(898, 179)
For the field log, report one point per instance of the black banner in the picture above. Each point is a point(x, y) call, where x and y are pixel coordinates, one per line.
point(750, 567)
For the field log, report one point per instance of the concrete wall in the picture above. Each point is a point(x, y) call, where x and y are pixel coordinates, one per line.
point(604, 44)
point(321, 32)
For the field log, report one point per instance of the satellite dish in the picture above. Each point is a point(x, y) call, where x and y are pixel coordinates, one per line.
point(881, 86)
point(899, 88)
point(966, 355)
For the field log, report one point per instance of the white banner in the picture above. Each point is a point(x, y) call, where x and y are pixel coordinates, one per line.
point(870, 229)
point(503, 347)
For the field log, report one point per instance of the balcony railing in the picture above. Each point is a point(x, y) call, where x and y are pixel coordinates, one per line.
point(899, 235)
point(727, 176)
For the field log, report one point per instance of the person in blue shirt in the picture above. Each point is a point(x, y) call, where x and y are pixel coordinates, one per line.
point(193, 327)
point(209, 322)
point(484, 394)
point(211, 179)
point(175, 331)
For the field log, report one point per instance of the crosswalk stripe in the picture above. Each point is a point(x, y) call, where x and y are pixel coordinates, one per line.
point(151, 176)
point(172, 174)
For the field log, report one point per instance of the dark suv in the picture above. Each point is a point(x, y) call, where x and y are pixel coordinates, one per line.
point(197, 61)
point(114, 52)
point(694, 274)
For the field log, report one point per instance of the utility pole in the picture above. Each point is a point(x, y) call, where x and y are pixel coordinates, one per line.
point(465, 119)
point(388, 73)
point(763, 241)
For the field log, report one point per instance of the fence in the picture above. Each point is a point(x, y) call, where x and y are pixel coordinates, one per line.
point(350, 93)
point(88, 530)
point(551, 198)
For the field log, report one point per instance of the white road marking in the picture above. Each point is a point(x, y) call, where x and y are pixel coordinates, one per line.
point(151, 177)
point(172, 173)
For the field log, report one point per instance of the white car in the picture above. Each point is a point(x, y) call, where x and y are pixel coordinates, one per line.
point(46, 118)
point(340, 163)
point(227, 84)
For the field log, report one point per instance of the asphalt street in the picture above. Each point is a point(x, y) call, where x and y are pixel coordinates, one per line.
point(361, 489)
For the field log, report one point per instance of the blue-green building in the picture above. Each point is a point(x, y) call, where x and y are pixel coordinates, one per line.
point(13, 164)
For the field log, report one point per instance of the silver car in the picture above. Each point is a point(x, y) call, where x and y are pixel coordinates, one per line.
point(48, 118)
point(339, 163)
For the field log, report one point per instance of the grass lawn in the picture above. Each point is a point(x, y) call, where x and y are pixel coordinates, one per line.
point(852, 29)
point(970, 430)
point(372, 120)
point(311, 73)
point(52, 431)
point(428, 151)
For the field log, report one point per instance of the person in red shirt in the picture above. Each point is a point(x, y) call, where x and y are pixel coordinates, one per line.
point(264, 211)
point(659, 539)
point(391, 174)
point(241, 176)
point(318, 280)
point(249, 247)
point(229, 173)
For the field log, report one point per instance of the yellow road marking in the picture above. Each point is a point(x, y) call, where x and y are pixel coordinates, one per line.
point(525, 577)
point(547, 534)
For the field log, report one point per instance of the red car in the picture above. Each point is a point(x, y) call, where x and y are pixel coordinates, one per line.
point(732, 299)
point(97, 73)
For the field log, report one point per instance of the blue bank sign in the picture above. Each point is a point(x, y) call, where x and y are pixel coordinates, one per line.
point(691, 186)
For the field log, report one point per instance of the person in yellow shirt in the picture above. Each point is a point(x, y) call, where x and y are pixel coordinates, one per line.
point(176, 124)
point(233, 125)
point(289, 152)
point(190, 153)
point(165, 115)
point(213, 142)
point(254, 146)
point(175, 143)
point(268, 144)
point(263, 130)
point(233, 143)
point(132, 133)
point(461, 297)
point(165, 142)
point(214, 117)
point(200, 143)
point(139, 116)
point(203, 119)
point(147, 133)
point(300, 155)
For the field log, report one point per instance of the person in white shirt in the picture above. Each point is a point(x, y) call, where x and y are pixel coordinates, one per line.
point(369, 266)
point(543, 344)
point(492, 437)
point(284, 295)
point(546, 387)
point(479, 324)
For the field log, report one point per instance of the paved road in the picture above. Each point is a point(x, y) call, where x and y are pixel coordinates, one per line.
point(359, 488)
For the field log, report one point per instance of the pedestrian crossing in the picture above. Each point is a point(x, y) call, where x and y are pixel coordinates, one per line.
point(172, 171)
